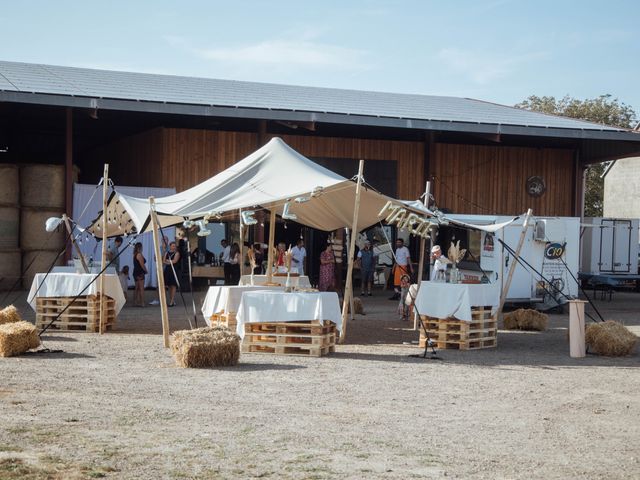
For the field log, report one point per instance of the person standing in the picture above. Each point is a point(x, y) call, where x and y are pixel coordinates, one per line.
point(171, 272)
point(234, 265)
point(327, 264)
point(225, 255)
point(280, 254)
point(139, 271)
point(402, 267)
point(298, 255)
point(112, 254)
point(439, 263)
point(258, 255)
point(367, 260)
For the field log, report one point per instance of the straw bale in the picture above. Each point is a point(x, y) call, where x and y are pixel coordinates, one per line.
point(525, 319)
point(9, 315)
point(610, 338)
point(17, 338)
point(206, 347)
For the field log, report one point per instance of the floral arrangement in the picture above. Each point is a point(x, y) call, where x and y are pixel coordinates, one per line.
point(455, 253)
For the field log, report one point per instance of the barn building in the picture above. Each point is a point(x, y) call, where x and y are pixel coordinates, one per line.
point(172, 131)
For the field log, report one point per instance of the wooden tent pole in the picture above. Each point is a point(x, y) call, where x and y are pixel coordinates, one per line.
point(423, 245)
point(514, 262)
point(271, 244)
point(162, 295)
point(241, 244)
point(103, 263)
point(73, 242)
point(348, 287)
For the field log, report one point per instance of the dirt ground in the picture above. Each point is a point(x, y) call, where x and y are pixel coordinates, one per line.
point(116, 406)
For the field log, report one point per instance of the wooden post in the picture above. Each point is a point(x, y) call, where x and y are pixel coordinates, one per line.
point(162, 295)
point(103, 263)
point(241, 244)
point(348, 287)
point(423, 245)
point(271, 244)
point(73, 242)
point(514, 262)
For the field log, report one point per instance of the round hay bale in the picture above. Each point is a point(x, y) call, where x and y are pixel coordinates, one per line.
point(206, 347)
point(33, 233)
point(42, 186)
point(10, 268)
point(9, 314)
point(9, 184)
point(9, 227)
point(610, 338)
point(17, 338)
point(42, 261)
point(526, 319)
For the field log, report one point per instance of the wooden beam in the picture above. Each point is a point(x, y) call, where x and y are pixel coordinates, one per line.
point(73, 241)
point(103, 262)
point(348, 287)
point(423, 245)
point(271, 244)
point(161, 292)
point(241, 244)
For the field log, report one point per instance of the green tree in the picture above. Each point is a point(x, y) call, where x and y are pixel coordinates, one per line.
point(604, 110)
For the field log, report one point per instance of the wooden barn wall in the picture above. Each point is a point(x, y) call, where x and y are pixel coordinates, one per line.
point(491, 180)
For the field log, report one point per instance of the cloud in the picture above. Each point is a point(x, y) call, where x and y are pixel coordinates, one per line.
point(290, 53)
point(483, 68)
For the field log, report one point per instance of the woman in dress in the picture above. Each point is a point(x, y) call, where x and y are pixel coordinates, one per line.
point(172, 257)
point(234, 260)
point(139, 271)
point(327, 262)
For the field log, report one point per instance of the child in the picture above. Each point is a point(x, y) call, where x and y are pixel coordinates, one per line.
point(124, 280)
point(403, 308)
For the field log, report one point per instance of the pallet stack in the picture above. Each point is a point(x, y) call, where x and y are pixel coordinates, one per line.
point(456, 334)
point(82, 314)
point(224, 319)
point(300, 338)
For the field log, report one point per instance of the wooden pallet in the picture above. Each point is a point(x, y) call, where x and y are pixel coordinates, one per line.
point(81, 314)
point(451, 333)
point(224, 319)
point(299, 338)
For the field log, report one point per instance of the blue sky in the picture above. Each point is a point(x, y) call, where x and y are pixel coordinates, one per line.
point(495, 50)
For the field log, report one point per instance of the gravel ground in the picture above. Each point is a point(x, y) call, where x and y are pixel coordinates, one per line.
point(116, 406)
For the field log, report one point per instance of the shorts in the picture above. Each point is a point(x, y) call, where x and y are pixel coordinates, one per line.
point(367, 275)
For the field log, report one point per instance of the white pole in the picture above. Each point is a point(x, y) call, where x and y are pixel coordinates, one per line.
point(423, 245)
point(348, 288)
point(241, 242)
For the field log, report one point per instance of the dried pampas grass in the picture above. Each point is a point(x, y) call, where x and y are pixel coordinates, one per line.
point(17, 338)
point(526, 319)
point(9, 315)
point(206, 347)
point(610, 338)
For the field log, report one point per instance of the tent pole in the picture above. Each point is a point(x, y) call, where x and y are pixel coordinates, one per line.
point(161, 292)
point(271, 244)
point(514, 262)
point(241, 242)
point(423, 244)
point(73, 242)
point(348, 288)
point(105, 191)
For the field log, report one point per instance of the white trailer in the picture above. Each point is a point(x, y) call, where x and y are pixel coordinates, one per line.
point(609, 247)
point(551, 246)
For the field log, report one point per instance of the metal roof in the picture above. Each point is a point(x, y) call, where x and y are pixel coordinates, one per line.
point(90, 88)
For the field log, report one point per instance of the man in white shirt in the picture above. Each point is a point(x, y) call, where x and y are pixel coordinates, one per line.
point(298, 254)
point(402, 267)
point(439, 263)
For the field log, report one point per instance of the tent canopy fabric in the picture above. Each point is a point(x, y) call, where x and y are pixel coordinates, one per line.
point(269, 178)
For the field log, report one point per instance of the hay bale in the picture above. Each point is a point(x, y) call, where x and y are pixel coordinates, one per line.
point(17, 338)
point(9, 315)
point(610, 338)
point(526, 319)
point(206, 347)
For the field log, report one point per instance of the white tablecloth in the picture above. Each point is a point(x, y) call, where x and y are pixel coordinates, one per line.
point(270, 306)
point(444, 300)
point(226, 299)
point(72, 284)
point(301, 281)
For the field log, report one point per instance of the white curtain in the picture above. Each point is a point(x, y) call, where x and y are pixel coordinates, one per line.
point(91, 206)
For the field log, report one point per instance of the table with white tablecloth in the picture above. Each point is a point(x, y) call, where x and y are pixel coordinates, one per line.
point(446, 300)
point(226, 299)
point(73, 284)
point(272, 306)
point(301, 281)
